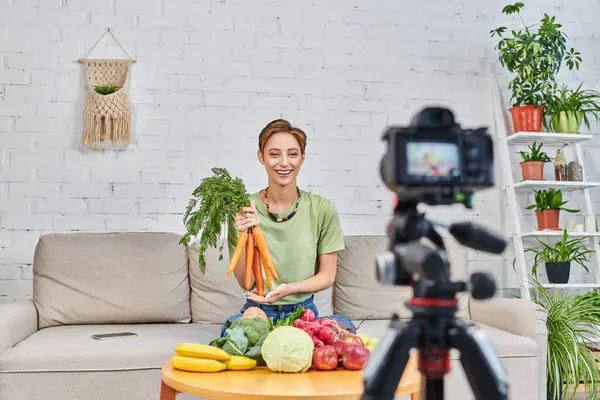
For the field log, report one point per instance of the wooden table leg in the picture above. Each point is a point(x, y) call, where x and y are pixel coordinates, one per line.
point(415, 396)
point(167, 392)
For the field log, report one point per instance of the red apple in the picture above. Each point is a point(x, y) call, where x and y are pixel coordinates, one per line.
point(355, 357)
point(325, 358)
point(339, 346)
point(353, 339)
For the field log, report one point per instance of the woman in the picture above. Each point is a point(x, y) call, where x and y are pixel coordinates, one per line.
point(303, 230)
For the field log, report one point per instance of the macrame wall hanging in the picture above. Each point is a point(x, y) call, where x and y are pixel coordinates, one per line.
point(107, 113)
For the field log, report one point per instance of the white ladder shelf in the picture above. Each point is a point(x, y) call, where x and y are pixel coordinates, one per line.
point(511, 188)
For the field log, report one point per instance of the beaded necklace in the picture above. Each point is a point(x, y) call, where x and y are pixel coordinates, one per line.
point(282, 219)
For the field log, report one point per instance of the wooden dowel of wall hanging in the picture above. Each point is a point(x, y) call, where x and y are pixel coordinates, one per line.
point(82, 60)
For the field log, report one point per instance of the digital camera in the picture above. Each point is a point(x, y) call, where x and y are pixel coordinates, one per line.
point(434, 160)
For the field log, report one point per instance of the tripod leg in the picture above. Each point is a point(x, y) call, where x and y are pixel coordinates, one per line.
point(386, 364)
point(482, 366)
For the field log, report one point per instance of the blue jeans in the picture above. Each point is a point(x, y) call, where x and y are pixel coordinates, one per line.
point(282, 312)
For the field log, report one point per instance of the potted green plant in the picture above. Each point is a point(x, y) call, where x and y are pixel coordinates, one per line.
point(534, 54)
point(570, 325)
point(567, 109)
point(548, 203)
point(558, 257)
point(532, 166)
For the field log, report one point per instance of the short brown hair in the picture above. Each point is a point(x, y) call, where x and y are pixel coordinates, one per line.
point(281, 125)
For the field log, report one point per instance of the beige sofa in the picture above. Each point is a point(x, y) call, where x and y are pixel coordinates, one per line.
point(88, 283)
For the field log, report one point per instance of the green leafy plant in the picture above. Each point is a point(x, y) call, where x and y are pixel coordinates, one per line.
point(577, 104)
point(593, 298)
point(535, 153)
point(534, 55)
point(570, 324)
point(106, 89)
point(289, 321)
point(549, 199)
point(565, 250)
point(217, 198)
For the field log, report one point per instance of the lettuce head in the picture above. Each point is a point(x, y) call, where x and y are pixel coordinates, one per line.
point(288, 349)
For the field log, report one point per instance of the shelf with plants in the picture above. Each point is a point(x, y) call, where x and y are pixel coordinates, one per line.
point(534, 55)
point(558, 233)
point(561, 185)
point(550, 138)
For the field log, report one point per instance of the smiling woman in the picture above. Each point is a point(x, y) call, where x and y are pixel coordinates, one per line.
point(303, 230)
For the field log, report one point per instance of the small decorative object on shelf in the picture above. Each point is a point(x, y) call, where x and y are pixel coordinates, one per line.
point(590, 223)
point(575, 172)
point(560, 166)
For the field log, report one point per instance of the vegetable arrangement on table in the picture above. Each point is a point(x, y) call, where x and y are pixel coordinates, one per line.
point(218, 198)
point(295, 344)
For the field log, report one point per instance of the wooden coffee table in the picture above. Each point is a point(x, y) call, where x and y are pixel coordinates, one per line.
point(261, 383)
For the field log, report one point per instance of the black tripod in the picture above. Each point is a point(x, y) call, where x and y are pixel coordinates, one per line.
point(434, 328)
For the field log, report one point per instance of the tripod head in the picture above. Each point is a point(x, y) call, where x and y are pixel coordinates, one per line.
point(410, 262)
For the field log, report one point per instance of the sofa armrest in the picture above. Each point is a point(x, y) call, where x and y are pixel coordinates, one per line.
point(520, 317)
point(19, 320)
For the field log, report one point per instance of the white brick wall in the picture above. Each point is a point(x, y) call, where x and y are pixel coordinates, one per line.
point(210, 75)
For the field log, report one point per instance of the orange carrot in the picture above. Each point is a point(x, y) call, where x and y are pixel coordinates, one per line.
point(260, 288)
point(268, 279)
point(241, 243)
point(249, 261)
point(261, 243)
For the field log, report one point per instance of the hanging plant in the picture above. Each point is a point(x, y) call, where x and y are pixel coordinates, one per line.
point(106, 89)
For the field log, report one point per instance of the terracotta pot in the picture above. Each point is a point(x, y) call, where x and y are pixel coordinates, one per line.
point(541, 223)
point(527, 118)
point(547, 219)
point(532, 170)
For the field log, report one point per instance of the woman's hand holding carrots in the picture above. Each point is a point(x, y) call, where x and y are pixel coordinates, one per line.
point(253, 243)
point(246, 218)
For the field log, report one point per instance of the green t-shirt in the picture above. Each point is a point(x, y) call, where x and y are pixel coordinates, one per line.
point(295, 245)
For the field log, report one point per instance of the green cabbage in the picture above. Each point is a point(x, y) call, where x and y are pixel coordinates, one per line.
point(288, 349)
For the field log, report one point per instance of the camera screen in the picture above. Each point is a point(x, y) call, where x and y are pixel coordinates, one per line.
point(432, 161)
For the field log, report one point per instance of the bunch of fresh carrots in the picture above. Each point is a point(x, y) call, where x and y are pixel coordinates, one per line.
point(255, 245)
point(217, 198)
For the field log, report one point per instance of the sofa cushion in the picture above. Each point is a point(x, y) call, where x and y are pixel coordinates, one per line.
point(503, 343)
point(72, 348)
point(213, 299)
point(357, 293)
point(110, 278)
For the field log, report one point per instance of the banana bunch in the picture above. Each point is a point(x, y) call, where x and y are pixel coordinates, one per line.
point(369, 343)
point(195, 357)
